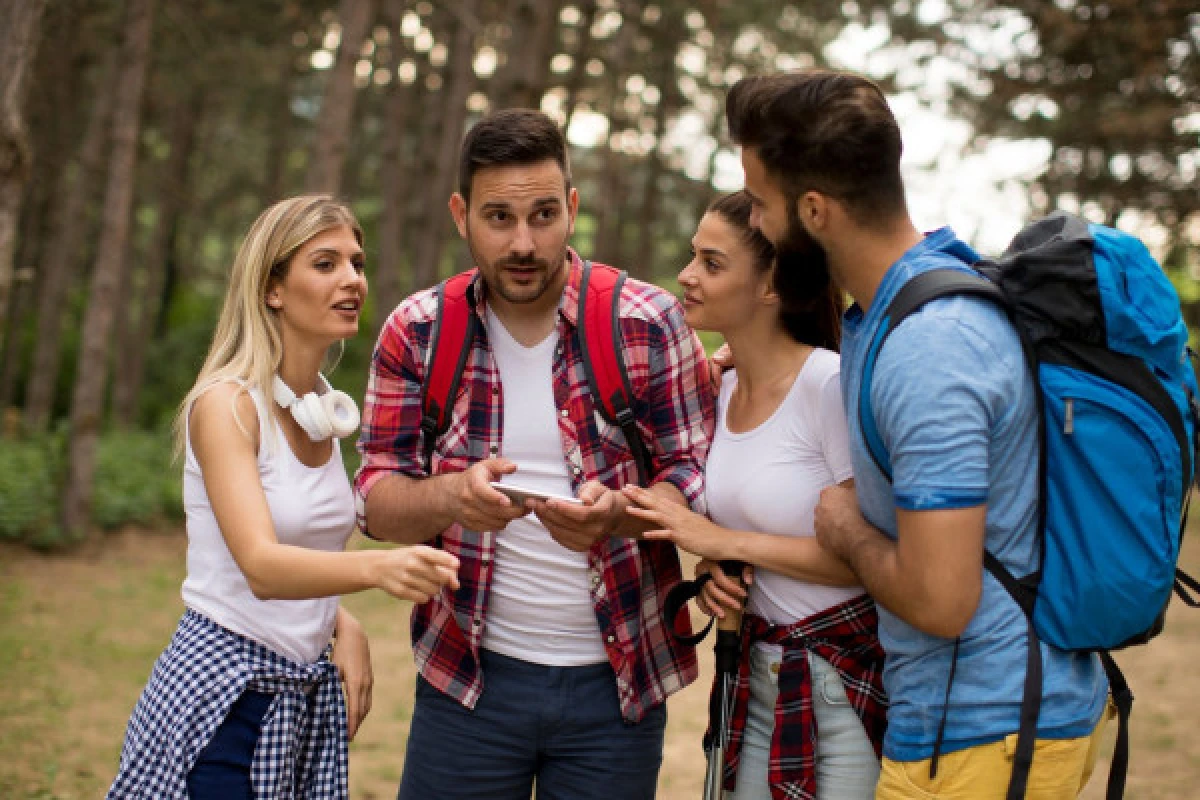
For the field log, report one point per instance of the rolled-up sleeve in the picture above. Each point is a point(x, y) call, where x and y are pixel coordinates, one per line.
point(681, 404)
point(390, 440)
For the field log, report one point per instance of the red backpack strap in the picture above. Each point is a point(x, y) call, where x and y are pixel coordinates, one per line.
point(603, 356)
point(453, 333)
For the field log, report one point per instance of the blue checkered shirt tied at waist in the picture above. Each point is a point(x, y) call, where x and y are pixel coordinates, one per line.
point(302, 749)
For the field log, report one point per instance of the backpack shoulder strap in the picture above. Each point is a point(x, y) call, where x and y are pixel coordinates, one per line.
point(599, 332)
point(453, 334)
point(924, 288)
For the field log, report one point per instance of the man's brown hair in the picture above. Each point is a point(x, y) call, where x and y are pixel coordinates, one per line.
point(515, 136)
point(825, 131)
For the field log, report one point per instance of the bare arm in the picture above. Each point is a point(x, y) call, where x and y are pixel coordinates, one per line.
point(931, 576)
point(800, 557)
point(229, 463)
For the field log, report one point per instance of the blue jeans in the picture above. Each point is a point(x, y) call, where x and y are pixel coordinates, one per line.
point(847, 768)
point(222, 770)
point(557, 727)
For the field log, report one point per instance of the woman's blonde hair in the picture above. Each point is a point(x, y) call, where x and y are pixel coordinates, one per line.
point(247, 346)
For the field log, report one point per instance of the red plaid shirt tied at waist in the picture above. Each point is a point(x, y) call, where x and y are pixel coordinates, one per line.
point(674, 406)
point(845, 635)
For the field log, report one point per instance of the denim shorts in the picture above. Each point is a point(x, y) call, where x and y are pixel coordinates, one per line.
point(847, 767)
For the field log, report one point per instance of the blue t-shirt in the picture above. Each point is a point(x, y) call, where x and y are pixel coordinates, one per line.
point(955, 408)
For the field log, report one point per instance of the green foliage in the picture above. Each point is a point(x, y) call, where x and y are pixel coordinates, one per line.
point(136, 483)
point(29, 482)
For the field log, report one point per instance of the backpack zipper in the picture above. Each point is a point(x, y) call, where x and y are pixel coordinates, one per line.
point(1069, 414)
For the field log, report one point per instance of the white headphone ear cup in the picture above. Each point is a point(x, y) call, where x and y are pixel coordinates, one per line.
point(341, 412)
point(309, 413)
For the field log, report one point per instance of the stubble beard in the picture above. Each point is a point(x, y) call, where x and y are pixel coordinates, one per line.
point(525, 295)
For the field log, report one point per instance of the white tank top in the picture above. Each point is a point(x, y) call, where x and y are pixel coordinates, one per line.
point(310, 507)
point(770, 478)
point(539, 606)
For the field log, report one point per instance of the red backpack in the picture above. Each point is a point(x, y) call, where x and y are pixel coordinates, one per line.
point(599, 339)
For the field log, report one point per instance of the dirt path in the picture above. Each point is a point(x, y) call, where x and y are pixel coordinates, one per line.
point(79, 633)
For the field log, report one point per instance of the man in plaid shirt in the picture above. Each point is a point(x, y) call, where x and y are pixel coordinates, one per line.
point(552, 662)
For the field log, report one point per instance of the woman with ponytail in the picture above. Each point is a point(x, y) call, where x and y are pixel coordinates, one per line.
point(245, 702)
point(809, 705)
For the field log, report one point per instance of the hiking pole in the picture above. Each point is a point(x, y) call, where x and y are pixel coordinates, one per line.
point(726, 653)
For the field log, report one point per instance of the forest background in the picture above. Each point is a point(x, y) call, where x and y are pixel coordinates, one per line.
point(139, 139)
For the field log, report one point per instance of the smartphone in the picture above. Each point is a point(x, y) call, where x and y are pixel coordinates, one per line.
point(519, 494)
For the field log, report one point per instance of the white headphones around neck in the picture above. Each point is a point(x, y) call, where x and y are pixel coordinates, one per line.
point(330, 413)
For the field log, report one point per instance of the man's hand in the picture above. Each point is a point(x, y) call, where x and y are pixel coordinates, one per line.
point(839, 522)
point(479, 507)
point(579, 527)
point(718, 362)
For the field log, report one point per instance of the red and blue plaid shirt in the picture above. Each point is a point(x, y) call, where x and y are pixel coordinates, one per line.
point(673, 404)
point(845, 635)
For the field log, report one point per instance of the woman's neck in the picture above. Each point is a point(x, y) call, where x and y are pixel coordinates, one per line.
point(765, 357)
point(300, 365)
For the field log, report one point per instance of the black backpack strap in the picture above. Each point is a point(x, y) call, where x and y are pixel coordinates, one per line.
point(1123, 700)
point(454, 331)
point(599, 331)
point(1024, 593)
point(922, 289)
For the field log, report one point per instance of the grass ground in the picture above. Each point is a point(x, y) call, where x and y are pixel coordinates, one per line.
point(79, 633)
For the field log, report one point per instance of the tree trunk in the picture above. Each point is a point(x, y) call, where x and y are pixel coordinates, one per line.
point(583, 54)
point(62, 253)
point(87, 401)
point(139, 326)
point(535, 34)
point(389, 284)
point(462, 80)
point(337, 106)
point(20, 25)
point(281, 122)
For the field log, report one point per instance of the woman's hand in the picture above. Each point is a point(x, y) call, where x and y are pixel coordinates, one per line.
point(679, 525)
point(724, 593)
point(415, 573)
point(352, 657)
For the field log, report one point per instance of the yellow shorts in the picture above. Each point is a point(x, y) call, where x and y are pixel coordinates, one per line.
point(1061, 768)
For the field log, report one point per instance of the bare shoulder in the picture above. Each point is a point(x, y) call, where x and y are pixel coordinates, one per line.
point(224, 415)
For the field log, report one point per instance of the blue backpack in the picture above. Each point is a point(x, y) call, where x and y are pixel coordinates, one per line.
point(1107, 347)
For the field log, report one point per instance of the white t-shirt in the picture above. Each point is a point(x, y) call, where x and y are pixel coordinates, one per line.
point(769, 480)
point(310, 507)
point(539, 606)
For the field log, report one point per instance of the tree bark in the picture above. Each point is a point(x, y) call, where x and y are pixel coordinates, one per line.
point(462, 80)
point(281, 122)
point(337, 106)
point(62, 253)
point(535, 33)
point(20, 26)
point(87, 402)
point(394, 187)
point(583, 53)
point(139, 326)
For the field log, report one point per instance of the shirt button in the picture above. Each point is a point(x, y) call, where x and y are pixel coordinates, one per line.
point(494, 449)
point(774, 667)
point(564, 413)
point(610, 638)
point(495, 391)
point(477, 622)
point(595, 580)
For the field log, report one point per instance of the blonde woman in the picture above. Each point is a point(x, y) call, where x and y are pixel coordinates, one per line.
point(245, 701)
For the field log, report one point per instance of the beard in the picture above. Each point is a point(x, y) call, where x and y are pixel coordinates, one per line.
point(801, 277)
point(548, 271)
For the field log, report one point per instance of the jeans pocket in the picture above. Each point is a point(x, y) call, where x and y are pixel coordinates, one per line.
point(833, 692)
